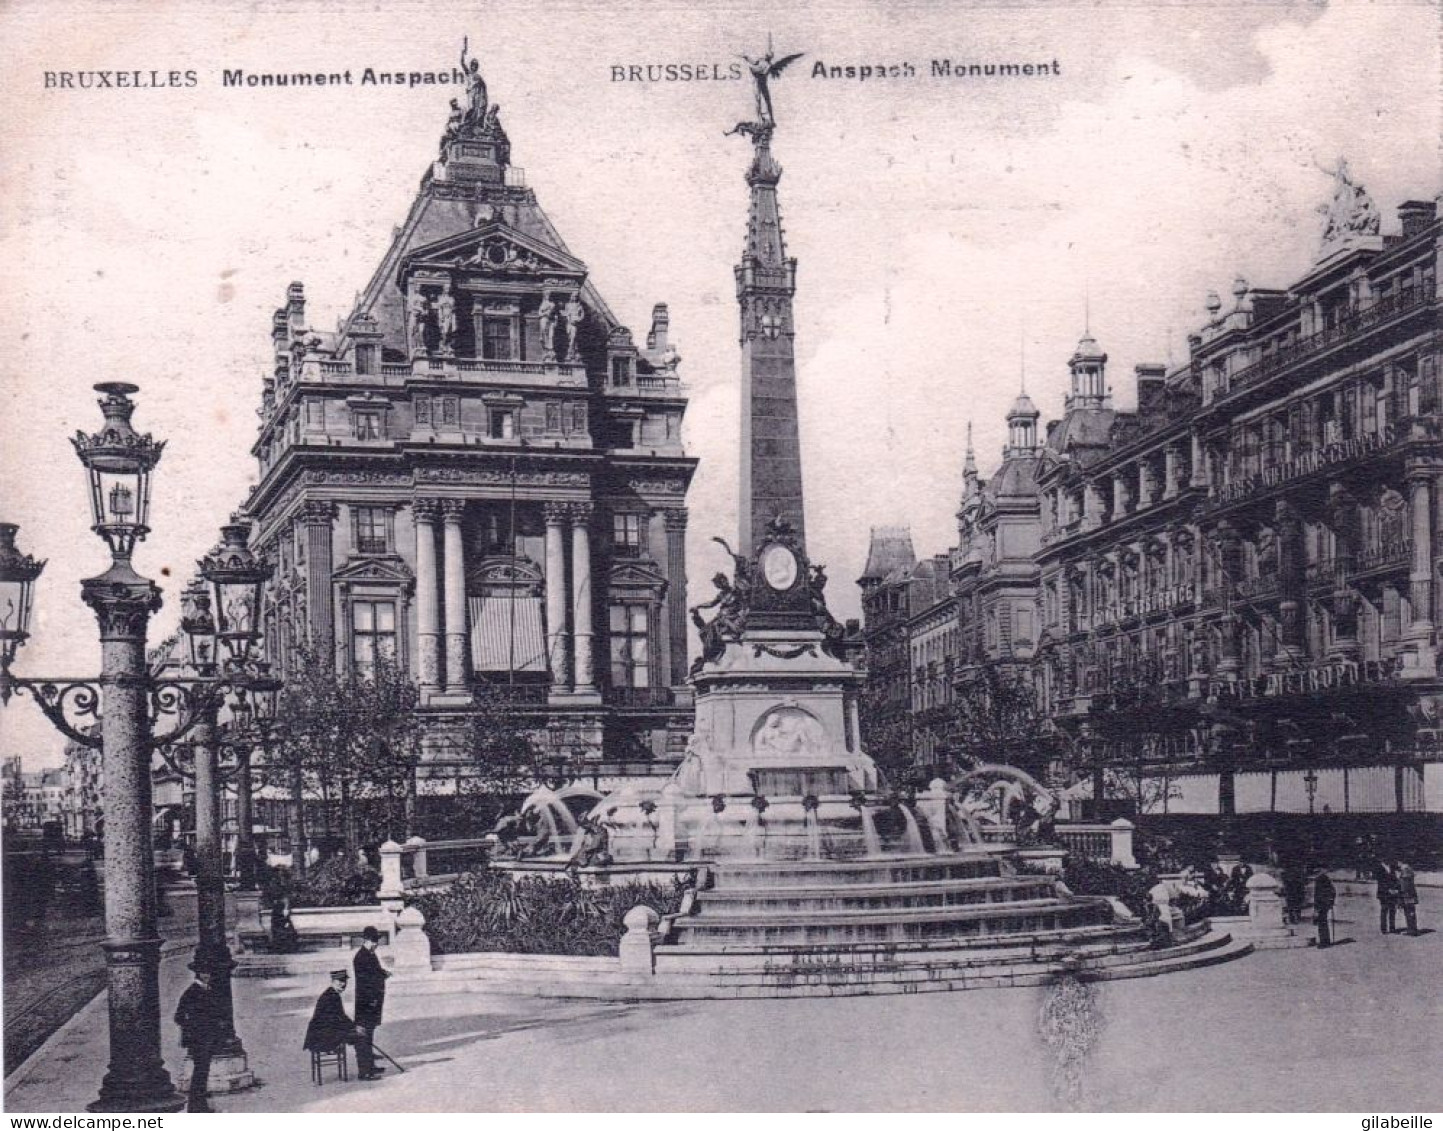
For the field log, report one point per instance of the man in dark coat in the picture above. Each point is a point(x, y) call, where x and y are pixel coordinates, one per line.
point(331, 1027)
point(1387, 897)
point(370, 1000)
point(202, 1029)
point(1323, 899)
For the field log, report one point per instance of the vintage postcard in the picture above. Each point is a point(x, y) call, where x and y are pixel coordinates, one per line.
point(794, 557)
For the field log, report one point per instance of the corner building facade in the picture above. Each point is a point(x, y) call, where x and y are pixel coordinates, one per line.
point(480, 474)
point(1236, 587)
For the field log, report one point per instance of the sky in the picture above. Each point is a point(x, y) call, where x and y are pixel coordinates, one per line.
point(952, 234)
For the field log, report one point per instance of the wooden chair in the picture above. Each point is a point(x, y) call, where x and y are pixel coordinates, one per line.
point(320, 1060)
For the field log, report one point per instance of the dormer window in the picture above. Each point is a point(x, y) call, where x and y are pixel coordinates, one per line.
point(368, 359)
point(621, 371)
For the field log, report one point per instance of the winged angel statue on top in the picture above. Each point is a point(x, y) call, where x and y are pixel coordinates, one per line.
point(764, 68)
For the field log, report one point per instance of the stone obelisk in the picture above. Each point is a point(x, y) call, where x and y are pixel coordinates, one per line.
point(771, 454)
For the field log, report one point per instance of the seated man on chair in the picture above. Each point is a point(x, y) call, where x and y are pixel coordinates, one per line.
point(331, 1026)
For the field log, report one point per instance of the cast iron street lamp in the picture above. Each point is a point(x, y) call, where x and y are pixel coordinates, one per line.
point(119, 462)
point(219, 645)
point(1310, 783)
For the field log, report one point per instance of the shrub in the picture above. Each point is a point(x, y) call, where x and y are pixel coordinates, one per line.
point(485, 910)
point(337, 882)
point(1130, 885)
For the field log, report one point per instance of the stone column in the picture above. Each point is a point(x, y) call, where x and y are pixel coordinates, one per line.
point(428, 605)
point(451, 512)
point(1421, 659)
point(245, 842)
point(1229, 545)
point(1199, 464)
point(1119, 496)
point(676, 591)
point(1169, 475)
point(1292, 564)
point(1091, 505)
point(556, 651)
point(581, 595)
point(1420, 577)
point(136, 1080)
point(318, 517)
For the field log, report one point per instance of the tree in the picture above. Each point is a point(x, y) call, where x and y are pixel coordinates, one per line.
point(995, 718)
point(501, 758)
point(354, 740)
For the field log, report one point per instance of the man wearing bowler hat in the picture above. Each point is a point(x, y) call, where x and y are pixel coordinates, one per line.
point(370, 999)
point(202, 1028)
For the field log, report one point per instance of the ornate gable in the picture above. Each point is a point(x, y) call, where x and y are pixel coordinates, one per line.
point(636, 574)
point(387, 570)
point(493, 248)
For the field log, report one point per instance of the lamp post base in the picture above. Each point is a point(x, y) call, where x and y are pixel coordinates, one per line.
point(229, 1072)
point(161, 1097)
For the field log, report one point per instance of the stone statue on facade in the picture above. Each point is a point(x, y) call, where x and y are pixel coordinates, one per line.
point(575, 314)
point(417, 309)
point(476, 102)
point(453, 126)
point(446, 320)
point(1351, 212)
point(546, 315)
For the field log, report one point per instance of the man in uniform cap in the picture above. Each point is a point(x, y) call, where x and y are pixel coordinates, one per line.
point(370, 1000)
point(331, 1027)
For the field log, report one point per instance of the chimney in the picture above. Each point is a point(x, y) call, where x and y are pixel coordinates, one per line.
point(296, 308)
point(1415, 215)
point(1150, 380)
point(660, 323)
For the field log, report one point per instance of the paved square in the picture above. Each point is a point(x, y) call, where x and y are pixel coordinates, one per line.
point(1355, 1028)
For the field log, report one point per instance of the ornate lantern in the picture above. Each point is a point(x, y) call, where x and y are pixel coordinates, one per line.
point(236, 577)
point(119, 461)
point(198, 624)
point(17, 577)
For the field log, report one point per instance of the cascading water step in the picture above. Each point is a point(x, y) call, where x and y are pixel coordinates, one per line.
point(884, 870)
point(730, 902)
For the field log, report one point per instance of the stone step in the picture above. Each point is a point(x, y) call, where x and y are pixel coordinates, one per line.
point(825, 873)
point(1215, 947)
point(896, 925)
point(919, 949)
point(1095, 959)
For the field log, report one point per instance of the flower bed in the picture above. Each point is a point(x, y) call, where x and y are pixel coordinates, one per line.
point(484, 910)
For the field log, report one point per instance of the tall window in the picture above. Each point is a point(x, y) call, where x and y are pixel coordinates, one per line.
point(497, 339)
point(630, 654)
point(373, 635)
point(371, 523)
point(368, 424)
point(626, 533)
point(503, 424)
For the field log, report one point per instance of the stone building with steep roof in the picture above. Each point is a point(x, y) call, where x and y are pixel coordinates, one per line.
point(480, 474)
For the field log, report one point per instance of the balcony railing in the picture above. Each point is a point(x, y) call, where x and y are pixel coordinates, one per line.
point(1329, 455)
point(1356, 323)
point(641, 696)
point(1325, 573)
point(1393, 553)
point(1259, 588)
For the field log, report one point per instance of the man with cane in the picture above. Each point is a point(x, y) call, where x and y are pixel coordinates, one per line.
point(370, 1000)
